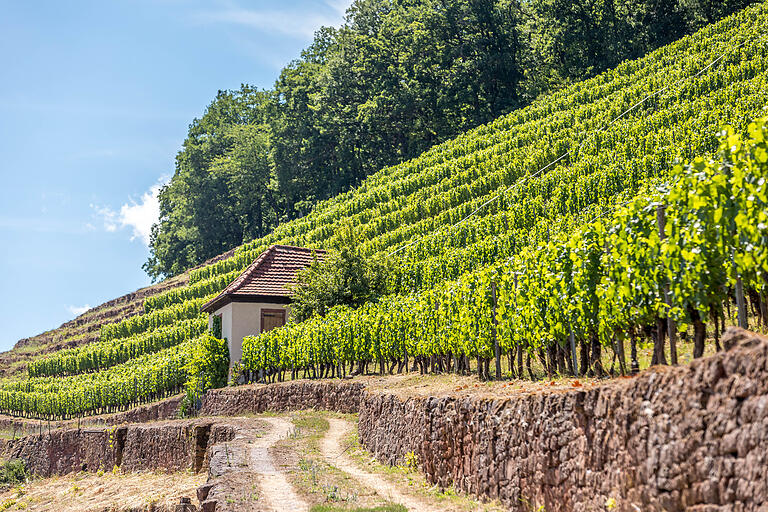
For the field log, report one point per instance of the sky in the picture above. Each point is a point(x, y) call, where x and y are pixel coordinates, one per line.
point(95, 100)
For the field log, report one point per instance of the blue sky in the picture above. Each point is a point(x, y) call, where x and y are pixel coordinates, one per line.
point(95, 100)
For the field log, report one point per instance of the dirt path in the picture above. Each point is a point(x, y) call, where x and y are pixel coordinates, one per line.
point(245, 477)
point(275, 489)
point(333, 450)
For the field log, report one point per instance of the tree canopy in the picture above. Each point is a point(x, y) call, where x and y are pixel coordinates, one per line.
point(344, 277)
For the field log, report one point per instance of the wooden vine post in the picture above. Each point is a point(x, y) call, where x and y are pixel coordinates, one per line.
point(635, 368)
point(618, 345)
point(661, 220)
point(496, 349)
point(519, 346)
point(741, 304)
point(574, 366)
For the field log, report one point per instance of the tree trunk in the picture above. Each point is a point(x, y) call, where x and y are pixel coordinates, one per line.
point(569, 363)
point(716, 317)
point(528, 365)
point(560, 355)
point(543, 359)
point(621, 355)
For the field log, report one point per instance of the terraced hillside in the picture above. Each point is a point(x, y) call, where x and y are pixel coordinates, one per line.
point(449, 218)
point(83, 329)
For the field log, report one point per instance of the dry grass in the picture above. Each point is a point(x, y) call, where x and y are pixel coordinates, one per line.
point(329, 489)
point(89, 492)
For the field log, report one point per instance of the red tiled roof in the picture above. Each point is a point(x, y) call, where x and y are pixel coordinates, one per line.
point(267, 276)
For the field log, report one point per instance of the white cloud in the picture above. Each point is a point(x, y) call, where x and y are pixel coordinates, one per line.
point(108, 215)
point(78, 310)
point(295, 23)
point(139, 216)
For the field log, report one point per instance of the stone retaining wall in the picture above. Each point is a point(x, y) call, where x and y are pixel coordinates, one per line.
point(686, 438)
point(168, 409)
point(290, 396)
point(172, 446)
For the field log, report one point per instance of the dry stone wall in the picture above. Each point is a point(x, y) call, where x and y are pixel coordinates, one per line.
point(171, 446)
point(291, 396)
point(63, 451)
point(686, 438)
point(167, 409)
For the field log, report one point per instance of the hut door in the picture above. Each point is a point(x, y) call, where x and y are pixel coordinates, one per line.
point(271, 318)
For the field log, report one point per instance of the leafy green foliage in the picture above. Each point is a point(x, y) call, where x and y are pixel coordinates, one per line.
point(200, 289)
point(426, 198)
point(538, 224)
point(343, 277)
point(143, 379)
point(13, 472)
point(101, 355)
point(223, 189)
point(716, 218)
point(393, 81)
point(207, 368)
point(137, 324)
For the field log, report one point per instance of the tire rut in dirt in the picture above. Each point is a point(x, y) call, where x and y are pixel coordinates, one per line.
point(245, 476)
point(334, 451)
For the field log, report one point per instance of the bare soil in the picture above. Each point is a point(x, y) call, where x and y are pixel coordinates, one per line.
point(335, 453)
point(321, 484)
point(247, 477)
point(278, 493)
point(334, 473)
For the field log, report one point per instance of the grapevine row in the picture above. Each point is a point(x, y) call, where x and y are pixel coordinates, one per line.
point(607, 281)
point(141, 323)
point(199, 289)
point(440, 310)
point(464, 169)
point(100, 355)
point(607, 163)
point(144, 379)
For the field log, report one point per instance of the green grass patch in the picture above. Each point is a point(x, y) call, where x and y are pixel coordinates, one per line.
point(337, 508)
point(13, 472)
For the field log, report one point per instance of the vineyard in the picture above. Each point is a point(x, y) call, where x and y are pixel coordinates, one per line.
point(562, 230)
point(606, 281)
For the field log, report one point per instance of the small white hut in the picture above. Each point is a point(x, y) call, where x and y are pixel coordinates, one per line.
point(258, 299)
